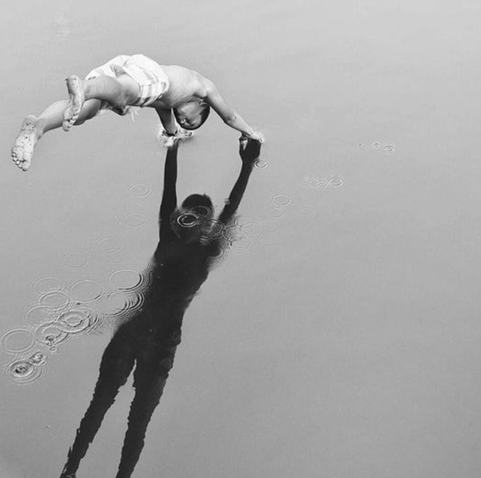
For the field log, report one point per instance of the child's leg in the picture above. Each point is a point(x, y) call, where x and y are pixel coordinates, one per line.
point(52, 117)
point(34, 128)
point(85, 98)
point(118, 92)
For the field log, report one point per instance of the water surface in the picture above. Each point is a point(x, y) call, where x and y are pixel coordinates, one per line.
point(343, 338)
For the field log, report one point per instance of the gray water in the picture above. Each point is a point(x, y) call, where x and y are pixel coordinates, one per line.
point(341, 337)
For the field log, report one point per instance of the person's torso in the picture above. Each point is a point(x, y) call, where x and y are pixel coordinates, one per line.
point(184, 86)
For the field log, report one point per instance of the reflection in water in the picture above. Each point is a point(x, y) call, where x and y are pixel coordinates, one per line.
point(146, 339)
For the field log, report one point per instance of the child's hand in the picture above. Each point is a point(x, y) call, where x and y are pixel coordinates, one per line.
point(249, 149)
point(169, 140)
point(256, 136)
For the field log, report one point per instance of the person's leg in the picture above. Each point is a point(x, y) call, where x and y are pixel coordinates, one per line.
point(119, 92)
point(116, 366)
point(150, 377)
point(33, 128)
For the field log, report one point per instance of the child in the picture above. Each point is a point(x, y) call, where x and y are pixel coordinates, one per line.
point(179, 95)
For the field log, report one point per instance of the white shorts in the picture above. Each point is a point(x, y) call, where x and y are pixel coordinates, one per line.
point(149, 75)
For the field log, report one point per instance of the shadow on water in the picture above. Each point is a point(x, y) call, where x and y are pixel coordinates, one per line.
point(145, 341)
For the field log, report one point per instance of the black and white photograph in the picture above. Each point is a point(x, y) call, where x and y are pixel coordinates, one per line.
point(240, 239)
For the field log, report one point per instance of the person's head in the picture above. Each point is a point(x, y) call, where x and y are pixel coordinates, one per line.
point(192, 115)
point(193, 220)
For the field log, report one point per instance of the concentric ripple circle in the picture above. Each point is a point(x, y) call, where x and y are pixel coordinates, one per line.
point(77, 321)
point(140, 190)
point(51, 334)
point(24, 371)
point(248, 225)
point(241, 245)
point(39, 314)
point(282, 200)
point(54, 300)
point(47, 284)
point(86, 290)
point(75, 259)
point(125, 279)
point(17, 341)
point(109, 245)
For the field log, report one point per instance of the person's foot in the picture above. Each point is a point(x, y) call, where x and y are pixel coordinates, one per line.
point(22, 150)
point(75, 102)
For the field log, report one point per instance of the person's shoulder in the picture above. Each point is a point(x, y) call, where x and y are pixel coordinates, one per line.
point(187, 76)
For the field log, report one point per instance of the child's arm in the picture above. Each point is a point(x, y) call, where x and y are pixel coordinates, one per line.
point(228, 115)
point(167, 119)
point(249, 151)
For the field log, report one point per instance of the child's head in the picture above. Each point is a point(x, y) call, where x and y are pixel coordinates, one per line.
point(192, 115)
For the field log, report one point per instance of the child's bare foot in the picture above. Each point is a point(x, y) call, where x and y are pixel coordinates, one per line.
point(22, 150)
point(75, 102)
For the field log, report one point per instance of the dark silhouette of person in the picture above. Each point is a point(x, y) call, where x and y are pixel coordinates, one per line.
point(190, 240)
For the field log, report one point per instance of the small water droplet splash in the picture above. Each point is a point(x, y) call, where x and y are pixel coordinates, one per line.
point(23, 371)
point(38, 359)
point(334, 181)
point(388, 148)
point(27, 370)
point(51, 335)
point(77, 321)
point(140, 190)
point(313, 182)
point(73, 321)
point(282, 200)
point(261, 164)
